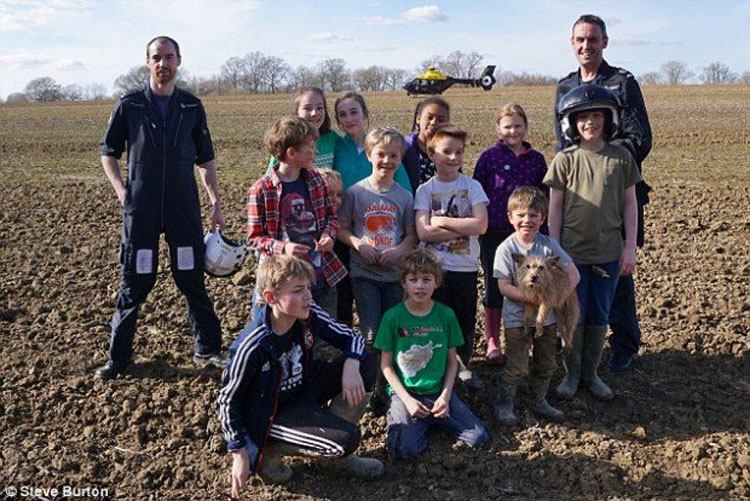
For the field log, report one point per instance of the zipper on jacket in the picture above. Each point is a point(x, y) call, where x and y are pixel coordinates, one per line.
point(163, 170)
point(177, 134)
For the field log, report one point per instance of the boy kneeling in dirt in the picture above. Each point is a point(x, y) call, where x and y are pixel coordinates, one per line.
point(275, 399)
point(418, 339)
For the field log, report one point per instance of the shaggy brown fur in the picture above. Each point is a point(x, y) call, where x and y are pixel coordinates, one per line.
point(542, 279)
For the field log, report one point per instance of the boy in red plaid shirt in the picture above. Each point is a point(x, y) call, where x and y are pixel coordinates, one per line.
point(289, 210)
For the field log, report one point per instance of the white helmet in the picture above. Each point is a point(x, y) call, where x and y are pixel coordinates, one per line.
point(223, 257)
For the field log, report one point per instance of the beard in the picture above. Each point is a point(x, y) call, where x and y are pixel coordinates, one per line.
point(165, 76)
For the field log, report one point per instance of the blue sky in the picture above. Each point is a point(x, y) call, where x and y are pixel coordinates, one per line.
point(90, 41)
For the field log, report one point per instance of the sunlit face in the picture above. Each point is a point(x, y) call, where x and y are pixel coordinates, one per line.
point(431, 116)
point(511, 130)
point(292, 299)
point(448, 156)
point(590, 124)
point(351, 117)
point(385, 158)
point(162, 61)
point(419, 287)
point(305, 155)
point(526, 221)
point(588, 43)
point(312, 108)
point(335, 188)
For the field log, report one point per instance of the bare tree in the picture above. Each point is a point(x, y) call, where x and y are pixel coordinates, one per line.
point(718, 73)
point(676, 72)
point(334, 74)
point(394, 78)
point(255, 71)
point(134, 79)
point(43, 89)
point(232, 72)
point(372, 78)
point(745, 77)
point(72, 92)
point(453, 64)
point(473, 63)
point(434, 61)
point(17, 97)
point(94, 92)
point(651, 78)
point(303, 76)
point(277, 71)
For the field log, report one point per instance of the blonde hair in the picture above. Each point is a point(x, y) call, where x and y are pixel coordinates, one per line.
point(288, 132)
point(276, 271)
point(509, 110)
point(528, 197)
point(423, 261)
point(446, 130)
point(384, 136)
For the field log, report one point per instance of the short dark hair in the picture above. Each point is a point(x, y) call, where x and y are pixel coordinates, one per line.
point(163, 38)
point(423, 104)
point(288, 132)
point(421, 260)
point(592, 19)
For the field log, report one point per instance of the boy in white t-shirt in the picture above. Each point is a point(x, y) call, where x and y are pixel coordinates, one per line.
point(451, 214)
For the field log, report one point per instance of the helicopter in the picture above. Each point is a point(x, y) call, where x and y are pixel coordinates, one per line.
point(435, 82)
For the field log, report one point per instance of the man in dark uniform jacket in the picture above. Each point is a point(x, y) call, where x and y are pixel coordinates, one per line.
point(589, 39)
point(165, 131)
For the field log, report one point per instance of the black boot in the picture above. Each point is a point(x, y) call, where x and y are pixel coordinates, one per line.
point(112, 369)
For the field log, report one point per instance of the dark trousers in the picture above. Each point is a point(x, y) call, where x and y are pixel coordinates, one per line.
point(345, 301)
point(306, 422)
point(488, 244)
point(459, 292)
point(139, 277)
point(623, 319)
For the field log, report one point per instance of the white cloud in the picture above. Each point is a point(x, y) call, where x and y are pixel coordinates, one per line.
point(382, 21)
point(23, 15)
point(426, 13)
point(326, 37)
point(69, 65)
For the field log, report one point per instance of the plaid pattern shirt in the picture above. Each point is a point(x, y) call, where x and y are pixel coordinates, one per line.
point(264, 219)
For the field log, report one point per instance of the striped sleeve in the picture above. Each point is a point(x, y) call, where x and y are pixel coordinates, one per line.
point(339, 335)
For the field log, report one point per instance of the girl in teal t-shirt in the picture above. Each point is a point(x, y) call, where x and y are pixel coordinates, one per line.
point(350, 159)
point(310, 104)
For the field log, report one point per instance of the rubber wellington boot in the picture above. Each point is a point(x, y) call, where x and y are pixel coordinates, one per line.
point(572, 362)
point(593, 347)
point(505, 403)
point(363, 468)
point(542, 408)
point(492, 332)
point(272, 468)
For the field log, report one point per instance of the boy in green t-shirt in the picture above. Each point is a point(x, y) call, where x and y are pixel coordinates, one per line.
point(421, 336)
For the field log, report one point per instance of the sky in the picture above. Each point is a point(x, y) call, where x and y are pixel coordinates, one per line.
point(91, 41)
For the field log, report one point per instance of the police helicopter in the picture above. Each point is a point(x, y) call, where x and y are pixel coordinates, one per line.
point(435, 82)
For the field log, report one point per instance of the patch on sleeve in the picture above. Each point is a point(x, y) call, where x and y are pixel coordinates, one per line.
point(185, 258)
point(144, 261)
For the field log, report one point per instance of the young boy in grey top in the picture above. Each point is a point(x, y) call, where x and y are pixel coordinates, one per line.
point(527, 208)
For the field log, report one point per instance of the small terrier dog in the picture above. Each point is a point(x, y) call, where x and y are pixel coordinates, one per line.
point(542, 279)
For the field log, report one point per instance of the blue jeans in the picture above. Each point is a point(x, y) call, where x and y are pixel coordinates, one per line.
point(407, 436)
point(595, 293)
point(373, 299)
point(623, 319)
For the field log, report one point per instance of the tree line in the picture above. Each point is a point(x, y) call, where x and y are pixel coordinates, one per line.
point(259, 73)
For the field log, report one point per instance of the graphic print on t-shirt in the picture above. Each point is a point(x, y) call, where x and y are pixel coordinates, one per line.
point(416, 358)
point(453, 203)
point(298, 223)
point(380, 225)
point(291, 368)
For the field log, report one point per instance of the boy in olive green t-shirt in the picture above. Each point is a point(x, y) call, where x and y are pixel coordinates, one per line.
point(418, 340)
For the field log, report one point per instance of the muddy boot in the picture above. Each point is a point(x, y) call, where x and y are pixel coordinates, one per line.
point(542, 408)
point(572, 362)
point(492, 332)
point(363, 468)
point(272, 468)
point(468, 377)
point(593, 347)
point(504, 405)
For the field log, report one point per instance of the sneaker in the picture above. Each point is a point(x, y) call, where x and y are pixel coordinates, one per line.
point(620, 363)
point(470, 380)
point(212, 359)
point(112, 369)
point(357, 466)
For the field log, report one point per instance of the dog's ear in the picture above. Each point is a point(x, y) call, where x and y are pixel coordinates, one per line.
point(518, 258)
point(554, 261)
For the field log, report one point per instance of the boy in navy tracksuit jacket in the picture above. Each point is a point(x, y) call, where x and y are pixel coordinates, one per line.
point(275, 397)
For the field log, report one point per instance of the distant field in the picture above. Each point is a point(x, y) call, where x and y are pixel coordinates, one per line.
point(701, 133)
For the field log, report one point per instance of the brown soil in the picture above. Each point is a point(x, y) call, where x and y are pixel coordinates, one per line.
point(678, 427)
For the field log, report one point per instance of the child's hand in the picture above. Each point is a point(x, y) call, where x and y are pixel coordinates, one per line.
point(441, 407)
point(415, 408)
point(389, 257)
point(627, 261)
point(352, 387)
point(532, 300)
point(438, 221)
point(369, 254)
point(324, 244)
point(240, 470)
point(296, 250)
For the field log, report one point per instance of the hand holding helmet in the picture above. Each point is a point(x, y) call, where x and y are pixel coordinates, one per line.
point(223, 258)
